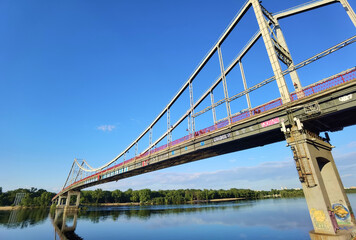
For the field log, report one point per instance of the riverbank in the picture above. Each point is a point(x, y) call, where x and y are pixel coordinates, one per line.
point(217, 200)
point(9, 208)
point(138, 204)
point(111, 204)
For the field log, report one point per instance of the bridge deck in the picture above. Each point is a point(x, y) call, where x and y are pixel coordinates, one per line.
point(328, 105)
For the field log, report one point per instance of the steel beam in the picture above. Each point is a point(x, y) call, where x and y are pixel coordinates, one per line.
point(226, 94)
point(349, 11)
point(213, 108)
point(294, 76)
point(303, 8)
point(245, 85)
point(277, 70)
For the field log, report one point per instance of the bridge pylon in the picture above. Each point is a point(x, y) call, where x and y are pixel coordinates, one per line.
point(328, 204)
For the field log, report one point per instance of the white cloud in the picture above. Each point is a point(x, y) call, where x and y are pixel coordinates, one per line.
point(263, 176)
point(105, 128)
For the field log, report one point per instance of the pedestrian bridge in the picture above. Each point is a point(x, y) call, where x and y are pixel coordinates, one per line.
point(328, 105)
point(298, 116)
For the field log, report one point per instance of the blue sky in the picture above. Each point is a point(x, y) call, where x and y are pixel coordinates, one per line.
point(82, 79)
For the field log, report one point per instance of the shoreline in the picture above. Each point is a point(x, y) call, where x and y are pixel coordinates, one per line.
point(111, 204)
point(9, 208)
point(138, 204)
point(216, 200)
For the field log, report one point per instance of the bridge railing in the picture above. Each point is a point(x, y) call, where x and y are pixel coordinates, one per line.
point(322, 85)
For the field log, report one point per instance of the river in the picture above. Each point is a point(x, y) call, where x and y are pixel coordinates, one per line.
point(260, 219)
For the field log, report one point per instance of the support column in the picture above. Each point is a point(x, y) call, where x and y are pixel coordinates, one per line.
point(169, 128)
point(191, 126)
point(68, 199)
point(245, 85)
point(212, 106)
point(60, 201)
point(77, 201)
point(328, 205)
point(150, 139)
point(277, 70)
point(226, 94)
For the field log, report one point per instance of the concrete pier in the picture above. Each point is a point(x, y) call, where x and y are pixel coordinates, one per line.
point(64, 201)
point(328, 204)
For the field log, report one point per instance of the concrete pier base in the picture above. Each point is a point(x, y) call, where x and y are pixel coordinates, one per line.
point(328, 204)
point(347, 234)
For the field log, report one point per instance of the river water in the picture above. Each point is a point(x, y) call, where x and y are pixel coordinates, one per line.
point(260, 219)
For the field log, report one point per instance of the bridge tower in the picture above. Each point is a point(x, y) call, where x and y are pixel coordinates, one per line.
point(329, 207)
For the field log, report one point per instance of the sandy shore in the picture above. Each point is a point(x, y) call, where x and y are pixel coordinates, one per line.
point(9, 208)
point(112, 204)
point(216, 200)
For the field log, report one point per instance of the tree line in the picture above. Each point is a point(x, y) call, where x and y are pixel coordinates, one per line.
point(33, 197)
point(180, 196)
point(42, 198)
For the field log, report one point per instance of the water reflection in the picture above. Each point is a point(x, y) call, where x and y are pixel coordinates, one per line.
point(23, 218)
point(65, 223)
point(261, 219)
point(247, 213)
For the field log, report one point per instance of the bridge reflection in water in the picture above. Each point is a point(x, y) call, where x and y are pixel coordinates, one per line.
point(65, 223)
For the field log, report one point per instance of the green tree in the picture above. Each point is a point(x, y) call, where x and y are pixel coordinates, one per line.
point(135, 196)
point(98, 195)
point(86, 197)
point(45, 199)
point(145, 195)
point(118, 196)
point(27, 200)
point(128, 195)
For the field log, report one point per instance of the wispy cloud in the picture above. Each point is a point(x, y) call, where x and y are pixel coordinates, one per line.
point(351, 144)
point(346, 175)
point(105, 128)
point(263, 176)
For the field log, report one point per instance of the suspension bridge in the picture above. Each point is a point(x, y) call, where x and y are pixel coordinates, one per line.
point(298, 117)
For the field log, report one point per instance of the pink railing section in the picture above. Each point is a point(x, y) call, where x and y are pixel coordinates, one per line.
point(180, 140)
point(326, 84)
point(310, 90)
point(240, 116)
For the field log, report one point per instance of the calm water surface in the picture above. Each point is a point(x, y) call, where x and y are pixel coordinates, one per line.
point(261, 219)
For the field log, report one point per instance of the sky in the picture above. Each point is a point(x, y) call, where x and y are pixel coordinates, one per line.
point(82, 79)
